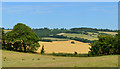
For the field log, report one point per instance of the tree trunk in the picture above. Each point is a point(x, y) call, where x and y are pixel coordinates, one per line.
point(24, 46)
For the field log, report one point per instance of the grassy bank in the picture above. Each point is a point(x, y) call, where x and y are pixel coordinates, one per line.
point(19, 59)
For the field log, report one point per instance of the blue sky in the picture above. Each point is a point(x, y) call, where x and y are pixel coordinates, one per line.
point(61, 14)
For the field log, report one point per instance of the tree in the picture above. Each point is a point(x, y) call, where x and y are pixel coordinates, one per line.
point(23, 37)
point(106, 45)
point(42, 50)
point(73, 42)
point(3, 39)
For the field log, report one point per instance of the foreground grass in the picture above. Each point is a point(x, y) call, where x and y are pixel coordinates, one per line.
point(17, 59)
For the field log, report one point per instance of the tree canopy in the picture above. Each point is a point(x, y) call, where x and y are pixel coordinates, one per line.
point(22, 37)
point(106, 45)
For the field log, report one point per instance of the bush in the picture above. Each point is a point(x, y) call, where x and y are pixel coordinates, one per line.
point(75, 52)
point(42, 50)
point(38, 59)
point(70, 55)
point(73, 42)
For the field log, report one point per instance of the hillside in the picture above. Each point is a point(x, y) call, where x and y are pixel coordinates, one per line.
point(17, 59)
point(86, 35)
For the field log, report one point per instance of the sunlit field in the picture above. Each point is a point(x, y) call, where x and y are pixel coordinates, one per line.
point(81, 36)
point(64, 47)
point(18, 59)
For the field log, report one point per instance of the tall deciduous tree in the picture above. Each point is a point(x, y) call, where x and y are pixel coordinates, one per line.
point(23, 37)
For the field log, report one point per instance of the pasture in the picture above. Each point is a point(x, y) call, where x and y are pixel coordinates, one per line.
point(55, 39)
point(81, 36)
point(7, 31)
point(19, 59)
point(110, 33)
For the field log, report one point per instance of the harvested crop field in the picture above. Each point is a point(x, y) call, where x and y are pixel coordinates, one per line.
point(64, 47)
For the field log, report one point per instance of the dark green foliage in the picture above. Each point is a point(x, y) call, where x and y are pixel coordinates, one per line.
point(21, 38)
point(3, 40)
point(93, 29)
point(73, 42)
point(42, 50)
point(45, 32)
point(46, 40)
point(106, 45)
point(81, 39)
point(103, 34)
point(58, 36)
point(23, 59)
point(38, 59)
point(53, 58)
point(75, 52)
point(77, 32)
point(73, 38)
point(69, 55)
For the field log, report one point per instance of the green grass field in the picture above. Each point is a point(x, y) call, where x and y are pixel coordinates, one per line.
point(17, 59)
point(111, 33)
point(81, 36)
point(55, 39)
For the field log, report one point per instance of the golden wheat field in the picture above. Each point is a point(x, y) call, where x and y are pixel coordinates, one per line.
point(64, 47)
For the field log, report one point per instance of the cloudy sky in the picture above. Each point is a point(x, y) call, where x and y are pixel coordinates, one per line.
point(61, 14)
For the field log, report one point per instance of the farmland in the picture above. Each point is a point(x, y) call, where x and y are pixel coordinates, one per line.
point(59, 34)
point(81, 36)
point(59, 45)
point(7, 31)
point(19, 59)
point(110, 33)
point(55, 39)
point(64, 47)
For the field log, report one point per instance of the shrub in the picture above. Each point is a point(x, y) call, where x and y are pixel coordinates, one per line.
point(73, 42)
point(42, 50)
point(75, 52)
point(53, 58)
point(23, 59)
point(38, 59)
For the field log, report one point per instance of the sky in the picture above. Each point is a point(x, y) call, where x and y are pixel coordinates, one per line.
point(61, 14)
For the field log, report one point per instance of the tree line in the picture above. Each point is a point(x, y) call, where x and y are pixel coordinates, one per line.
point(46, 32)
point(73, 38)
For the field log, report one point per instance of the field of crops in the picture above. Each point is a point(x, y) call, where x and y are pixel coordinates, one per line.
point(64, 47)
point(17, 59)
